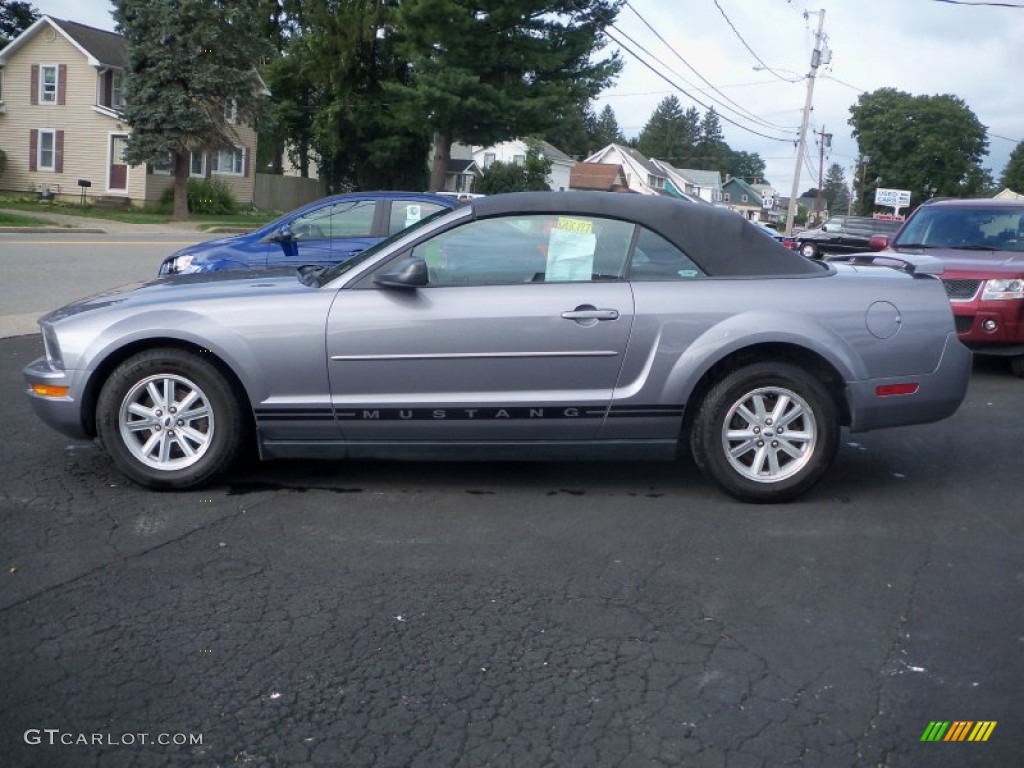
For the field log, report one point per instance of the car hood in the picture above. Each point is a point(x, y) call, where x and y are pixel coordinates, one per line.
point(184, 289)
point(988, 262)
point(211, 245)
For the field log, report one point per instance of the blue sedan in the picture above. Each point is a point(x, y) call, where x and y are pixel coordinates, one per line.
point(325, 232)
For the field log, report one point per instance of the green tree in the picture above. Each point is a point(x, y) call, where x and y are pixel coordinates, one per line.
point(744, 165)
point(606, 130)
point(487, 70)
point(574, 131)
point(189, 64)
point(836, 193)
point(1013, 173)
point(664, 135)
point(930, 145)
point(347, 58)
point(712, 151)
point(532, 175)
point(15, 18)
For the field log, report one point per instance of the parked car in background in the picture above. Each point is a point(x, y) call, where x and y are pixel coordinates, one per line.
point(842, 234)
point(773, 233)
point(321, 233)
point(981, 243)
point(548, 325)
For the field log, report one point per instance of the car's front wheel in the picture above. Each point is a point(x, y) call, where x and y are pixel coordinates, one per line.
point(169, 419)
point(809, 250)
point(766, 433)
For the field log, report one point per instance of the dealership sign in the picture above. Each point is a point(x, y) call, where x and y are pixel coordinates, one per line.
point(896, 198)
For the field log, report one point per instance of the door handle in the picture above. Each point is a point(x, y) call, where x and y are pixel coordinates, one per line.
point(591, 314)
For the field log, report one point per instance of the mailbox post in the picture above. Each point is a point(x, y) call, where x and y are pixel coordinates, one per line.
point(84, 184)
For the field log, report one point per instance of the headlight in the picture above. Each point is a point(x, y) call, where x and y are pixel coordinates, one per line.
point(179, 265)
point(51, 347)
point(1004, 288)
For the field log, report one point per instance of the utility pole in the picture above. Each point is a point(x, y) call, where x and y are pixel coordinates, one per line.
point(815, 62)
point(825, 143)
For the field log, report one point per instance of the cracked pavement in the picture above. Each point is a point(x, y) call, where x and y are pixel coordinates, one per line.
point(388, 614)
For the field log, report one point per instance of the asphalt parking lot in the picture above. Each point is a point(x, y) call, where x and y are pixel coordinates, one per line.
point(387, 614)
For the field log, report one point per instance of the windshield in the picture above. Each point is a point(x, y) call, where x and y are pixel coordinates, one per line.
point(329, 274)
point(967, 228)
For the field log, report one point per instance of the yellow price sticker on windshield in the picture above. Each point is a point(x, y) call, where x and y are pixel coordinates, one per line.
point(579, 226)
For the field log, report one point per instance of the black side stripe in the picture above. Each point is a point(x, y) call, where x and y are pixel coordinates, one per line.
point(295, 414)
point(510, 412)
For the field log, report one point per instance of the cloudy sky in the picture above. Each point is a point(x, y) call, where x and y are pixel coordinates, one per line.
point(923, 47)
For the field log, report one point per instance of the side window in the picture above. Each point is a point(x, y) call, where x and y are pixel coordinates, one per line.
point(336, 221)
point(353, 219)
point(405, 213)
point(528, 249)
point(656, 259)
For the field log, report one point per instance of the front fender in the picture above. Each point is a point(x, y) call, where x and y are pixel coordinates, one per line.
point(185, 326)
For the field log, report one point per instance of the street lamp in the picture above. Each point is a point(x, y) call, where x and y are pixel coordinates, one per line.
point(775, 71)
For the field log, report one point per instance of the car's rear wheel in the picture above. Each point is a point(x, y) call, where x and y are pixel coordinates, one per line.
point(169, 419)
point(809, 250)
point(1017, 365)
point(766, 433)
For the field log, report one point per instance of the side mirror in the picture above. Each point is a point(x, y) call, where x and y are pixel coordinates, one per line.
point(412, 275)
point(878, 242)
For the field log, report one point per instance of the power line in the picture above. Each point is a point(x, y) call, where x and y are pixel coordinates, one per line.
point(682, 90)
point(771, 126)
point(741, 109)
point(982, 2)
point(745, 44)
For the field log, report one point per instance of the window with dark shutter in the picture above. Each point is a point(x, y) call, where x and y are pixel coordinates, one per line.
point(62, 83)
point(58, 163)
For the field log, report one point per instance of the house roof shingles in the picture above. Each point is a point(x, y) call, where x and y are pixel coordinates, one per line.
point(106, 47)
point(603, 177)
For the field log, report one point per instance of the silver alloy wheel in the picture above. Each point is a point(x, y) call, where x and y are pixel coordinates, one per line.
point(166, 422)
point(769, 434)
point(808, 250)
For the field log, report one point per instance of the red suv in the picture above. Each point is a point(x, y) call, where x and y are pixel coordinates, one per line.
point(982, 245)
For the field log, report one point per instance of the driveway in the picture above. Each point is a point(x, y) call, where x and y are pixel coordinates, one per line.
point(503, 614)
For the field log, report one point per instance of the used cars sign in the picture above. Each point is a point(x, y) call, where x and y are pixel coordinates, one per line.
point(897, 198)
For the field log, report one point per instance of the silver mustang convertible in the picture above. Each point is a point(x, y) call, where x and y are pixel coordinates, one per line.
point(524, 326)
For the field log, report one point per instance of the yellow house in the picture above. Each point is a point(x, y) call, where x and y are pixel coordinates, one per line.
point(61, 126)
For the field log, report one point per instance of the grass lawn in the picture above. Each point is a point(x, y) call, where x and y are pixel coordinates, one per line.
point(14, 220)
point(136, 217)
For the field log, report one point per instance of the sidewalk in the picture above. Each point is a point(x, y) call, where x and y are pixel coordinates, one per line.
point(84, 224)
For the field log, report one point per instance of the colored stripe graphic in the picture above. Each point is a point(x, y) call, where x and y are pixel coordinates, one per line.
point(935, 730)
point(982, 730)
point(958, 730)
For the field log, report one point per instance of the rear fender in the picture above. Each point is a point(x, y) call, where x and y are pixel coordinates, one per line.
point(750, 329)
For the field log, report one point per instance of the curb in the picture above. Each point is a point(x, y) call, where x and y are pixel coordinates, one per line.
point(52, 230)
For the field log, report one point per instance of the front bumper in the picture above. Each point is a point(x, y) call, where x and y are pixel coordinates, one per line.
point(992, 327)
point(938, 396)
point(64, 414)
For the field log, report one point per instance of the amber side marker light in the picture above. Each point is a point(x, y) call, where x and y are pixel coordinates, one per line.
point(48, 390)
point(887, 390)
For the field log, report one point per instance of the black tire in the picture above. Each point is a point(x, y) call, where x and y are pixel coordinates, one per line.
point(1017, 365)
point(172, 446)
point(752, 475)
point(809, 251)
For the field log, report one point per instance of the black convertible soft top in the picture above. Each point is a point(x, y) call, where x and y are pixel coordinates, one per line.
point(719, 240)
